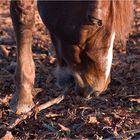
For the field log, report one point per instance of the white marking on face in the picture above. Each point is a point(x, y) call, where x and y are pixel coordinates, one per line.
point(109, 56)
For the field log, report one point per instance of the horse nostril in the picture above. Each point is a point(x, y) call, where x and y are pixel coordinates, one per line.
point(87, 92)
point(92, 94)
point(83, 90)
point(79, 91)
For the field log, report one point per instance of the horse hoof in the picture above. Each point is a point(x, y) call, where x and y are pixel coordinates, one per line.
point(24, 108)
point(20, 107)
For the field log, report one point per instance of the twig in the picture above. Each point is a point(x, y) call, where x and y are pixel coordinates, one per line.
point(36, 110)
point(125, 134)
point(19, 120)
point(57, 100)
point(51, 115)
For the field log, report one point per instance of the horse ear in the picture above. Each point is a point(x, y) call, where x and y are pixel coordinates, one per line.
point(94, 9)
point(98, 9)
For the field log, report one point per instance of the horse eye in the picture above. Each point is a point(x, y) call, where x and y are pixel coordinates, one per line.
point(99, 23)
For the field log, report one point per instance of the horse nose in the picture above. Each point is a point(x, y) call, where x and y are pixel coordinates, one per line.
point(90, 93)
point(87, 92)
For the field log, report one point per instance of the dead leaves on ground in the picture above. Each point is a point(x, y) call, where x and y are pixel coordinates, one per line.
point(113, 114)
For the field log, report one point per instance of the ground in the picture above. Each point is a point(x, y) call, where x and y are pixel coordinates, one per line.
point(116, 113)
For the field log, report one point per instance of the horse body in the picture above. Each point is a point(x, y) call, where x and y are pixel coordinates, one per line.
point(82, 32)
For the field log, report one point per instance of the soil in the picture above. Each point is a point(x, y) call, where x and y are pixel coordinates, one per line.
point(114, 114)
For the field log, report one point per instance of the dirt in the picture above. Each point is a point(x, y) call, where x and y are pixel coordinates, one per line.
point(116, 113)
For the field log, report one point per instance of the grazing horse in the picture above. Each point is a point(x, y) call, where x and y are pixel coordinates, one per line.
point(82, 32)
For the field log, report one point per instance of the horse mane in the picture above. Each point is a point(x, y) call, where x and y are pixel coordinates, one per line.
point(121, 14)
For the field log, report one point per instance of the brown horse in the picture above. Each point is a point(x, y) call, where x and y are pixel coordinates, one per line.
point(82, 32)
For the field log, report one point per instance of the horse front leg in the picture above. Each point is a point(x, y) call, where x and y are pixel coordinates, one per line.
point(22, 13)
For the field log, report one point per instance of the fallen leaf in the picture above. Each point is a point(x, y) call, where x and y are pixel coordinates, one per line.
point(52, 59)
point(135, 100)
point(108, 120)
point(36, 91)
point(115, 131)
point(92, 119)
point(4, 50)
point(8, 136)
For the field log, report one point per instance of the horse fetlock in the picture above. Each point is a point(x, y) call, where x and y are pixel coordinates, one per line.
point(24, 106)
point(22, 101)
